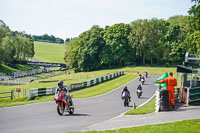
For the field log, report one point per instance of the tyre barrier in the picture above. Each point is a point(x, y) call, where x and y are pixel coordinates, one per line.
point(162, 100)
point(193, 97)
point(157, 101)
point(51, 90)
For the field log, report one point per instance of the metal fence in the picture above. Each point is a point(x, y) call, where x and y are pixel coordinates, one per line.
point(14, 93)
point(6, 94)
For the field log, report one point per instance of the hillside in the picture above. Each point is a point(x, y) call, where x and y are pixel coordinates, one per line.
point(49, 52)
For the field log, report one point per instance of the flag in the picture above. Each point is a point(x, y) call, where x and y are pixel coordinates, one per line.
point(162, 85)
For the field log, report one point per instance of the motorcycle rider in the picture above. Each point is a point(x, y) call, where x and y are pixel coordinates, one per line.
point(128, 92)
point(139, 87)
point(140, 76)
point(145, 74)
point(62, 88)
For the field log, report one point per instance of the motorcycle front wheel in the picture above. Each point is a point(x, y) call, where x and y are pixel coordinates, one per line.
point(60, 109)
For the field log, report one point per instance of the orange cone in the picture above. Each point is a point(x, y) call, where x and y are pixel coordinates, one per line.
point(134, 107)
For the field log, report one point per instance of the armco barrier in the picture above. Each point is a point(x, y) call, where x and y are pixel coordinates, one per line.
point(41, 92)
point(194, 96)
point(51, 90)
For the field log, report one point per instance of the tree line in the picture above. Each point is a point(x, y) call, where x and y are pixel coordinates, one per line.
point(14, 45)
point(142, 42)
point(48, 38)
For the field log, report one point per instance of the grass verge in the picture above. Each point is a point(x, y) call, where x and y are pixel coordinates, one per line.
point(147, 108)
point(103, 88)
point(186, 126)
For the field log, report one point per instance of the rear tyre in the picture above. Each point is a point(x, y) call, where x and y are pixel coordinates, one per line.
point(71, 111)
point(125, 102)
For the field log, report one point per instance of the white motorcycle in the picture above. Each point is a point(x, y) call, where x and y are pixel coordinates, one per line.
point(139, 93)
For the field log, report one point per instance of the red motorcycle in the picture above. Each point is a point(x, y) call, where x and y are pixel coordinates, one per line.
point(64, 104)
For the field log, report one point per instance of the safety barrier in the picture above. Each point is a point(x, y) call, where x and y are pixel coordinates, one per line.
point(96, 81)
point(51, 90)
point(7, 96)
point(14, 75)
point(41, 92)
point(157, 109)
point(193, 96)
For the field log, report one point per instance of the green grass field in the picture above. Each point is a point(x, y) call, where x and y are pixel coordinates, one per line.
point(7, 69)
point(49, 52)
point(186, 126)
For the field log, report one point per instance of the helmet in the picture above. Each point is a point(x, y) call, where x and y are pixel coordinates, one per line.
point(125, 88)
point(60, 82)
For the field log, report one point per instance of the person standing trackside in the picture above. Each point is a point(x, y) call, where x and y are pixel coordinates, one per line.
point(171, 82)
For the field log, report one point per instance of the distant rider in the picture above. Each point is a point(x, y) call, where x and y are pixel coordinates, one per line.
point(139, 87)
point(128, 93)
point(140, 76)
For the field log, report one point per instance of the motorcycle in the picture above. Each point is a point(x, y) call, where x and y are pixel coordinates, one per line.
point(139, 77)
point(63, 104)
point(126, 99)
point(142, 80)
point(139, 93)
point(146, 74)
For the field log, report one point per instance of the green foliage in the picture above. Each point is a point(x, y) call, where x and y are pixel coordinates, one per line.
point(193, 42)
point(83, 52)
point(117, 46)
point(194, 13)
point(47, 38)
point(15, 46)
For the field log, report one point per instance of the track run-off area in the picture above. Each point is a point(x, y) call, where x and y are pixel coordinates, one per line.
point(43, 117)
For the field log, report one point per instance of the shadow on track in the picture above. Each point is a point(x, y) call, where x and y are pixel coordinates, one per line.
point(143, 97)
point(76, 115)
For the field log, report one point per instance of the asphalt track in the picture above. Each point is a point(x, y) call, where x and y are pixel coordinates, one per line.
point(43, 117)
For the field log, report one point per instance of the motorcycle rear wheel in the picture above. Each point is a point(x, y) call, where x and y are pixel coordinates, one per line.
point(126, 102)
point(71, 111)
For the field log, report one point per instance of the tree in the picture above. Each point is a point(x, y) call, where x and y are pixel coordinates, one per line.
point(192, 40)
point(67, 40)
point(83, 52)
point(193, 43)
point(157, 29)
point(194, 13)
point(171, 44)
point(117, 49)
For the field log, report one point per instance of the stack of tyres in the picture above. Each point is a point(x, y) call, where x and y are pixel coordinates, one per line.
point(164, 100)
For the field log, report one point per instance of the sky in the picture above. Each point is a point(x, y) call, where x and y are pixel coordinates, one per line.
point(70, 18)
